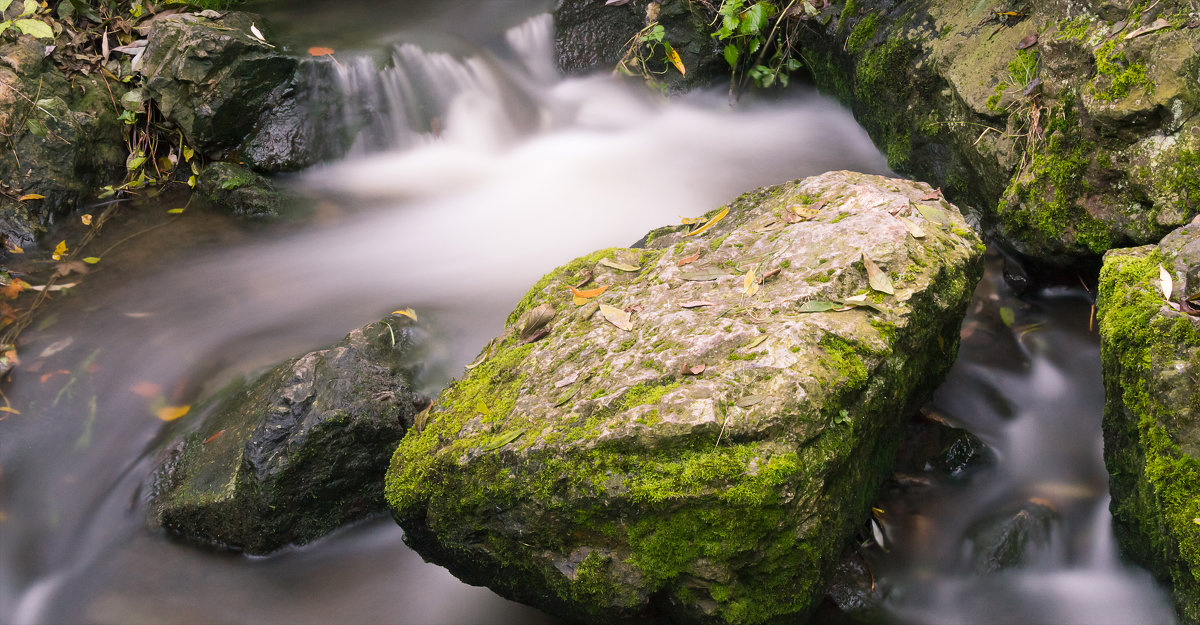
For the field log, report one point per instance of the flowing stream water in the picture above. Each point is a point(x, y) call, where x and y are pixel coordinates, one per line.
point(478, 170)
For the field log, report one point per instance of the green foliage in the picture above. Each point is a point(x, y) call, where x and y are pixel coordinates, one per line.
point(1023, 69)
point(749, 36)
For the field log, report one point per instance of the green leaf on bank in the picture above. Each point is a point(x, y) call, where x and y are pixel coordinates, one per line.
point(34, 28)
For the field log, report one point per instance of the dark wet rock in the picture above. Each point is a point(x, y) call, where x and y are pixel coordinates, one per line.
point(294, 454)
point(939, 451)
point(600, 473)
point(593, 37)
point(1151, 364)
point(59, 138)
point(1105, 153)
point(239, 190)
point(1008, 540)
point(213, 78)
point(853, 596)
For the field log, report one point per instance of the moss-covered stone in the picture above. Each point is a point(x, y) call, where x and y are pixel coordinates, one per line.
point(600, 480)
point(294, 454)
point(1151, 366)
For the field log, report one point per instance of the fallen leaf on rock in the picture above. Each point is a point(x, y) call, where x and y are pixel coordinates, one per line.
point(212, 438)
point(673, 57)
point(789, 217)
point(771, 274)
point(566, 398)
point(934, 214)
point(703, 275)
point(588, 294)
point(536, 336)
point(1190, 306)
point(535, 320)
point(422, 418)
point(1165, 282)
point(320, 51)
point(635, 308)
point(587, 276)
point(687, 221)
point(620, 266)
point(936, 194)
point(15, 249)
point(1157, 24)
point(912, 227)
point(689, 259)
point(505, 439)
point(696, 304)
point(756, 342)
point(31, 196)
point(750, 282)
point(877, 277)
point(809, 212)
point(1028, 42)
point(567, 381)
point(406, 312)
point(616, 316)
point(711, 222)
point(692, 370)
point(171, 413)
point(750, 400)
point(60, 250)
point(816, 305)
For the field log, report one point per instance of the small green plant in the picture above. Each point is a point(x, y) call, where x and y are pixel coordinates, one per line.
point(842, 418)
point(25, 21)
point(649, 46)
point(749, 35)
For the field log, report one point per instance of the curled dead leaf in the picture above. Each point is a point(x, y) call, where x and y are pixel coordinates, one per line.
point(1028, 42)
point(689, 259)
point(534, 321)
point(692, 369)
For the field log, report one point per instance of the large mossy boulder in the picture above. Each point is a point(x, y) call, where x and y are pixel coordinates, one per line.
point(297, 452)
point(1071, 128)
point(691, 442)
point(1151, 353)
point(59, 139)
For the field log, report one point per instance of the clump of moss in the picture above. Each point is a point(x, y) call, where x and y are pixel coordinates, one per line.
point(863, 33)
point(1121, 75)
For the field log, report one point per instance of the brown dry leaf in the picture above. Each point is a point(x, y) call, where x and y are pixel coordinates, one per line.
point(936, 194)
point(536, 336)
point(1157, 24)
point(689, 259)
point(635, 308)
point(534, 321)
point(750, 282)
point(877, 277)
point(1028, 42)
point(692, 370)
point(771, 274)
point(14, 288)
point(617, 317)
point(587, 276)
point(711, 222)
point(696, 304)
point(171, 413)
point(320, 51)
point(422, 417)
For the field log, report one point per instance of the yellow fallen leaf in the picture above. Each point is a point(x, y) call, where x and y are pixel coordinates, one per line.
point(91, 260)
point(15, 249)
point(687, 221)
point(9, 410)
point(60, 250)
point(578, 301)
point(581, 297)
point(86, 218)
point(175, 211)
point(711, 222)
point(750, 283)
point(616, 316)
point(31, 196)
point(673, 57)
point(171, 413)
point(407, 312)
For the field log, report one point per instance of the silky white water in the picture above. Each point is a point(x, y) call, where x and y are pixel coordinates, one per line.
point(479, 169)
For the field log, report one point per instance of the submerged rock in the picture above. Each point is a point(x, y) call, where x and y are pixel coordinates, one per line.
point(294, 454)
point(1151, 364)
point(691, 442)
point(239, 190)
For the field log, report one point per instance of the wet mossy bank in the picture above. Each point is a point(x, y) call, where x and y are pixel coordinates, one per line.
point(1151, 355)
point(1062, 134)
point(692, 443)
